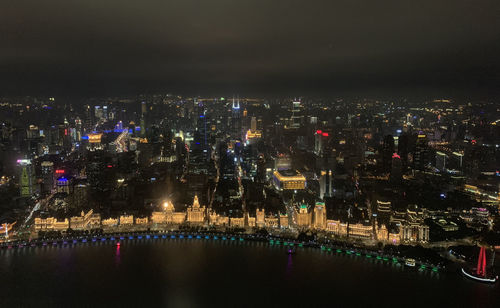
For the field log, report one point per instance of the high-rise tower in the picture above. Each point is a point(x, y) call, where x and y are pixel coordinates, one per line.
point(236, 119)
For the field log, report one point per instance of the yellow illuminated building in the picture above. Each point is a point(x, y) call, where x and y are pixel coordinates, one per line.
point(272, 222)
point(238, 222)
point(284, 221)
point(110, 222)
point(260, 218)
point(126, 219)
point(141, 221)
point(222, 220)
point(159, 217)
point(251, 221)
point(252, 134)
point(360, 230)
point(196, 213)
point(95, 138)
point(289, 180)
point(82, 221)
point(319, 216)
point(303, 217)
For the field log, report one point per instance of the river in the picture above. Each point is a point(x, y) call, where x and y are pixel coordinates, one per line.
point(201, 273)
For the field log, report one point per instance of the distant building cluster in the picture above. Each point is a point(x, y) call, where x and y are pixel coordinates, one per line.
point(389, 171)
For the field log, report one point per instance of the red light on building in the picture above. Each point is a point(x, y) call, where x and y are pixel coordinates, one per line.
point(325, 134)
point(395, 155)
point(319, 132)
point(59, 171)
point(110, 166)
point(65, 132)
point(473, 141)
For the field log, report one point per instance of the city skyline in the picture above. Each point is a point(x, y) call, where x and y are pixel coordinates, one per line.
point(189, 153)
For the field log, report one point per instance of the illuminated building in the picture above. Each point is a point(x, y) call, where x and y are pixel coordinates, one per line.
point(195, 213)
point(251, 221)
point(235, 120)
point(282, 162)
point(178, 217)
point(168, 215)
point(62, 185)
point(83, 221)
point(361, 230)
point(260, 218)
point(253, 124)
point(159, 217)
point(212, 217)
point(109, 222)
point(93, 141)
point(396, 169)
point(332, 226)
point(5, 228)
point(319, 216)
point(326, 184)
point(26, 177)
point(252, 135)
point(271, 222)
point(421, 154)
point(51, 223)
point(441, 159)
point(415, 232)
point(336, 227)
point(303, 217)
point(384, 207)
point(238, 222)
point(320, 138)
point(60, 225)
point(48, 175)
point(412, 227)
point(446, 226)
point(456, 160)
point(141, 221)
point(288, 180)
point(283, 220)
point(126, 219)
point(94, 138)
point(222, 220)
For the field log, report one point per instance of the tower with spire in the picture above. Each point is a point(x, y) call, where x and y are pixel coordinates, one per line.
point(236, 119)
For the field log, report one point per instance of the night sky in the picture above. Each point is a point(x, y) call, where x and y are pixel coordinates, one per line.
point(251, 47)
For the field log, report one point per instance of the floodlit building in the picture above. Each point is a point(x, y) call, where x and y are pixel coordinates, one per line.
point(303, 217)
point(196, 213)
point(288, 180)
point(260, 218)
point(126, 219)
point(319, 216)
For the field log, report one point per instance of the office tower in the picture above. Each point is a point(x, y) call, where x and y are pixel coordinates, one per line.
point(26, 177)
point(396, 169)
point(48, 176)
point(441, 161)
point(421, 154)
point(387, 151)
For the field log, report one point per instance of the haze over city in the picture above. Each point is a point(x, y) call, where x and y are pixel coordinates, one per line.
point(357, 48)
point(249, 153)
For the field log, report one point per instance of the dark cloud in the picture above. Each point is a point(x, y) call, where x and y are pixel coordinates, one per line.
point(84, 48)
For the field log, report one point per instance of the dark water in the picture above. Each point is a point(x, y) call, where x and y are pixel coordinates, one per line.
point(197, 273)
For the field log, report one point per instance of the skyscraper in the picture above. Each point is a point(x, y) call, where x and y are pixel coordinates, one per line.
point(236, 120)
point(387, 151)
point(396, 169)
point(26, 177)
point(441, 160)
point(48, 175)
point(421, 154)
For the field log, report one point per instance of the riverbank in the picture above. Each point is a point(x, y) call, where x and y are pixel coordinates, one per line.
point(119, 238)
